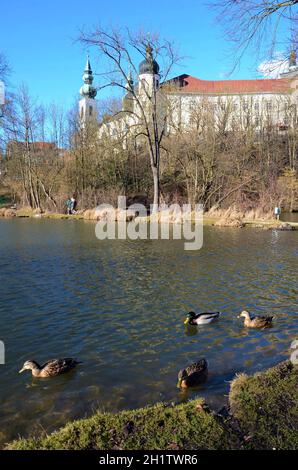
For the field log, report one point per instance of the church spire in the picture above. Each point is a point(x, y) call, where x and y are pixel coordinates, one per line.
point(87, 90)
point(130, 84)
point(293, 60)
point(87, 104)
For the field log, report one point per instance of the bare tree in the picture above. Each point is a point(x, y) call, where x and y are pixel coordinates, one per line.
point(33, 166)
point(4, 67)
point(118, 50)
point(257, 24)
point(4, 73)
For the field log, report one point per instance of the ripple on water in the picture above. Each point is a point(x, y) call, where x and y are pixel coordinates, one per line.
point(119, 306)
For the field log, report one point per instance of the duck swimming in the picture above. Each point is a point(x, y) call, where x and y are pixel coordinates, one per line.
point(193, 375)
point(201, 318)
point(51, 368)
point(257, 321)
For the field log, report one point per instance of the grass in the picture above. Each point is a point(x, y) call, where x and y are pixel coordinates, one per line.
point(263, 415)
point(266, 407)
point(184, 426)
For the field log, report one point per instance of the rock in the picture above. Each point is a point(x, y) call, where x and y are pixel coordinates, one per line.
point(230, 222)
point(283, 227)
point(286, 226)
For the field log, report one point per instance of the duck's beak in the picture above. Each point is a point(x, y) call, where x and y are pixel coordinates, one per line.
point(186, 321)
point(179, 383)
point(22, 370)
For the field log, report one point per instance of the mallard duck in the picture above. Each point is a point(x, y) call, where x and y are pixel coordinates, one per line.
point(51, 368)
point(201, 318)
point(257, 321)
point(193, 375)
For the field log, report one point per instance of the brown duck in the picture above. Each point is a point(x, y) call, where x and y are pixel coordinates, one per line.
point(51, 368)
point(193, 375)
point(257, 321)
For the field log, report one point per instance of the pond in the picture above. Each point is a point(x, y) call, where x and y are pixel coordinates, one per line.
point(119, 307)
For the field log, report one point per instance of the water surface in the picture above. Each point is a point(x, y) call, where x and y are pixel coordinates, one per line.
point(119, 307)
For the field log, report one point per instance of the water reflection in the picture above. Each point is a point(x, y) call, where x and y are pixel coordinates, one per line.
point(119, 306)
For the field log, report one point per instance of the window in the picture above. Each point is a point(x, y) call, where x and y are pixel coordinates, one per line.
point(90, 110)
point(244, 105)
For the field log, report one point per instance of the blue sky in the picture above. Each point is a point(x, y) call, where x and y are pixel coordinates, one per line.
point(39, 40)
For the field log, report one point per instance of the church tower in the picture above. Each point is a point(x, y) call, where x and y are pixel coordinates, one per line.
point(148, 74)
point(87, 104)
point(293, 68)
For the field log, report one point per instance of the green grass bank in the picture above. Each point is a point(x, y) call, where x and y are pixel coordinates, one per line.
point(262, 414)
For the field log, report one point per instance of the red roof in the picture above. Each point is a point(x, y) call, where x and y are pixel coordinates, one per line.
point(43, 145)
point(188, 84)
point(37, 144)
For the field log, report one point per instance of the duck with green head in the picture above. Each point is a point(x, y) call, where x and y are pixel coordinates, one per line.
point(201, 318)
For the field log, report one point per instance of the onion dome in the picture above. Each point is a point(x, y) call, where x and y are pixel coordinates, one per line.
point(149, 65)
point(87, 90)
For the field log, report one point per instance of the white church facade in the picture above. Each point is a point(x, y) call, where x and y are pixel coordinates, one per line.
point(181, 100)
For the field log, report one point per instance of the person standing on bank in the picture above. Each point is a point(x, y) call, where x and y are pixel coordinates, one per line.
point(73, 204)
point(277, 212)
point(68, 206)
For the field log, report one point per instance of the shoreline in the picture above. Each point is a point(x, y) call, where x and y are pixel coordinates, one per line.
point(261, 414)
point(213, 220)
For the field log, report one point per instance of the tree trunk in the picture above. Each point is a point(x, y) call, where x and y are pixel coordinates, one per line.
point(155, 173)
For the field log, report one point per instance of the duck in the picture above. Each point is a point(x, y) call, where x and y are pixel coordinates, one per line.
point(257, 321)
point(193, 374)
point(51, 368)
point(201, 318)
